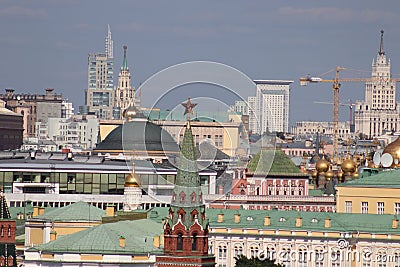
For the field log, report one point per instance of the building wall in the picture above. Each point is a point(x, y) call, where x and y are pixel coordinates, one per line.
point(355, 196)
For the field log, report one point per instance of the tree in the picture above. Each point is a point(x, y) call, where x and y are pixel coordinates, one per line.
point(243, 261)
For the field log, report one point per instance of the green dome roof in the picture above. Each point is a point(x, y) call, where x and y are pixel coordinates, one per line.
point(138, 135)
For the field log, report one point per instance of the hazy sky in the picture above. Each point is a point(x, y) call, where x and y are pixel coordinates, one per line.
point(46, 43)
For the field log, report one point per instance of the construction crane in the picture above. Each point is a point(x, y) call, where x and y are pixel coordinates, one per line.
point(336, 86)
point(351, 106)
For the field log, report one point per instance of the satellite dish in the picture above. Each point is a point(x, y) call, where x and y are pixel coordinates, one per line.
point(377, 158)
point(386, 160)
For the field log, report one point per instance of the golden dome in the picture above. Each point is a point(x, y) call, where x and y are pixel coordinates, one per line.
point(340, 176)
point(348, 166)
point(329, 175)
point(322, 165)
point(356, 176)
point(132, 180)
point(314, 175)
point(393, 149)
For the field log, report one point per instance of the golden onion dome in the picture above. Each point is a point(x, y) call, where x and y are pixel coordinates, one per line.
point(314, 175)
point(393, 149)
point(348, 166)
point(322, 165)
point(329, 175)
point(356, 176)
point(340, 176)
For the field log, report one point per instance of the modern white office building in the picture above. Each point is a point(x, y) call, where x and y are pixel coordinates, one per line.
point(272, 105)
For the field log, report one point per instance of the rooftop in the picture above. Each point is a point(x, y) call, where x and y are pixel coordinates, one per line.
point(384, 179)
point(104, 239)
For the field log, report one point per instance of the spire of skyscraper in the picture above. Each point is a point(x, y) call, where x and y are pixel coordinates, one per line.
point(381, 52)
point(125, 63)
point(109, 44)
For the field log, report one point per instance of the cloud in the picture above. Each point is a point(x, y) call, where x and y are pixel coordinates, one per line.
point(334, 14)
point(18, 11)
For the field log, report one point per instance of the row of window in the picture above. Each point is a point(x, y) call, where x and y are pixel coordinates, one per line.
point(380, 207)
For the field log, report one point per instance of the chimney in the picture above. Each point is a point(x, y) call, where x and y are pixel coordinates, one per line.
point(53, 235)
point(35, 211)
point(395, 223)
point(220, 217)
point(41, 210)
point(267, 220)
point(327, 223)
point(122, 242)
point(221, 189)
point(299, 221)
point(110, 210)
point(237, 218)
point(156, 241)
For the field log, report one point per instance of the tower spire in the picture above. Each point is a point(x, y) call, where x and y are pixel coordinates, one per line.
point(109, 43)
point(125, 63)
point(381, 52)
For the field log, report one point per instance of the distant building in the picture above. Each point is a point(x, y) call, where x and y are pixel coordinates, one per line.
point(34, 108)
point(11, 128)
point(321, 127)
point(125, 92)
point(78, 131)
point(379, 112)
point(66, 109)
point(272, 105)
point(100, 92)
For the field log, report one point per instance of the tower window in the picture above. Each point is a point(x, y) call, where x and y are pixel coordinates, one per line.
point(194, 242)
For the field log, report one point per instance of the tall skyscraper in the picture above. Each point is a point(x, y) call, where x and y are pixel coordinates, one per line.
point(100, 92)
point(379, 112)
point(271, 106)
point(125, 93)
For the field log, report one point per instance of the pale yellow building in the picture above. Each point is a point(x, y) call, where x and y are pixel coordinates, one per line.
point(376, 194)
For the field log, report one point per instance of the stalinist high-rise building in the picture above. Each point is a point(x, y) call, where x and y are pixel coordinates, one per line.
point(125, 92)
point(379, 112)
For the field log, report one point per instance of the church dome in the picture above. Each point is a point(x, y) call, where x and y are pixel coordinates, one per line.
point(348, 166)
point(393, 149)
point(322, 165)
point(132, 113)
point(329, 175)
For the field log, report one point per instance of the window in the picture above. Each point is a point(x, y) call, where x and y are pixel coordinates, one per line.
point(397, 208)
point(380, 208)
point(238, 250)
point(194, 242)
point(302, 257)
point(222, 251)
point(335, 257)
point(180, 242)
point(319, 258)
point(348, 206)
point(364, 207)
point(253, 251)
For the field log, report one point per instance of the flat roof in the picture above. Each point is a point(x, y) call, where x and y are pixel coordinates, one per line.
point(278, 82)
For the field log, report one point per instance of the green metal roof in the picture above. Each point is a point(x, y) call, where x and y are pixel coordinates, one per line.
point(273, 162)
point(104, 239)
point(78, 211)
point(385, 179)
point(286, 220)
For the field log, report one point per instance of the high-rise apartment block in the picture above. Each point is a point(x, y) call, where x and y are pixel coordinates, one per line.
point(379, 112)
point(100, 92)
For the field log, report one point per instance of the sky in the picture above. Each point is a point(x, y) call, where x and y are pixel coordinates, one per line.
point(45, 44)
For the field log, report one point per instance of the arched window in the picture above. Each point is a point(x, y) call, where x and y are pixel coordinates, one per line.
point(9, 231)
point(238, 250)
point(180, 242)
point(194, 242)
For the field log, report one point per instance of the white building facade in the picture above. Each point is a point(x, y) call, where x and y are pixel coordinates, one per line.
point(79, 131)
point(379, 112)
point(272, 106)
